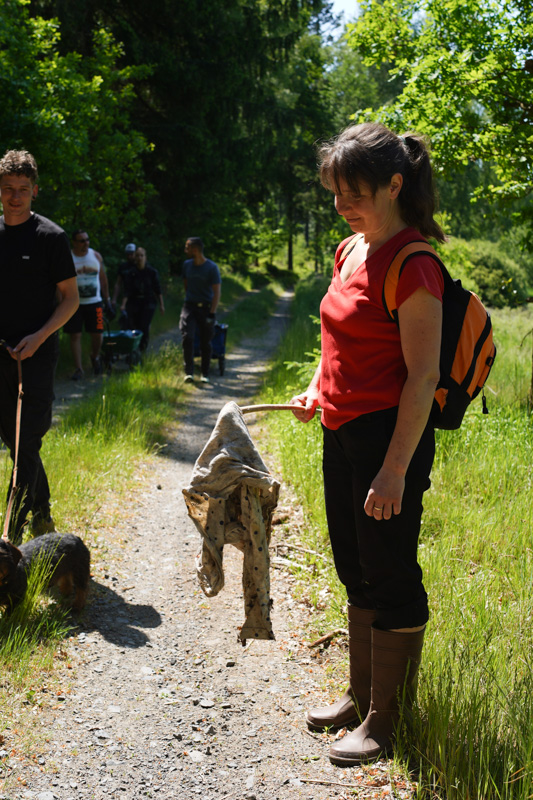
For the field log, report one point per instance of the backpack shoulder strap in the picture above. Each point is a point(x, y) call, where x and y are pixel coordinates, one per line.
point(394, 271)
point(350, 245)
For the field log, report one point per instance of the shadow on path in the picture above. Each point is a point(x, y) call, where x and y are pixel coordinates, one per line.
point(116, 620)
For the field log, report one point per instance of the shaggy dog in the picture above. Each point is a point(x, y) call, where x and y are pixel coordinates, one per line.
point(67, 560)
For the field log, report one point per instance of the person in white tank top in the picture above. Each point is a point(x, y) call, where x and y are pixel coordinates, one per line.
point(88, 274)
point(94, 293)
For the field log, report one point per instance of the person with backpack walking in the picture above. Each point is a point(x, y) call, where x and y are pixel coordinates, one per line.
point(375, 386)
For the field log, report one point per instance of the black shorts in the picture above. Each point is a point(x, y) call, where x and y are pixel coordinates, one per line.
point(90, 316)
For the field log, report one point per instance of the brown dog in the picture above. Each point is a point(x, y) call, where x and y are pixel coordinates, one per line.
point(66, 556)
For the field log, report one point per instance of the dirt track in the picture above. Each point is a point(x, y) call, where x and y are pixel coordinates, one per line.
point(161, 700)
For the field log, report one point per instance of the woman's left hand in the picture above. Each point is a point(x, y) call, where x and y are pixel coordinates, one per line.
point(384, 497)
point(420, 333)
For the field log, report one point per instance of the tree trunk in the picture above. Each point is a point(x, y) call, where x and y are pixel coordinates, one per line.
point(317, 233)
point(290, 264)
point(290, 214)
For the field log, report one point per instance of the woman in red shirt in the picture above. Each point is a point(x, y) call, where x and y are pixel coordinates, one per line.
point(375, 385)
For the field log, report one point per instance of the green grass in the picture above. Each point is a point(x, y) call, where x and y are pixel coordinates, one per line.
point(251, 315)
point(473, 735)
point(96, 445)
point(28, 625)
point(30, 640)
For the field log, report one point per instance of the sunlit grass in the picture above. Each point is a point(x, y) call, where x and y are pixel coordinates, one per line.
point(30, 639)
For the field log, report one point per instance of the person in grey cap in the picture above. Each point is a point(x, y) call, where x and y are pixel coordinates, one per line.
point(125, 267)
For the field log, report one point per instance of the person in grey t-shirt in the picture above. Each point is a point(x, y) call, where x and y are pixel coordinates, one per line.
point(201, 278)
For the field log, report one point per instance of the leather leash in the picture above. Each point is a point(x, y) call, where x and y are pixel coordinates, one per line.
point(13, 491)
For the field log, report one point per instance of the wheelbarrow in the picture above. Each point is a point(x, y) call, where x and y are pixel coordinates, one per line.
point(118, 345)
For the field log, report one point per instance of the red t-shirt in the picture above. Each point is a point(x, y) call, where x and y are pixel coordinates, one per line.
point(363, 369)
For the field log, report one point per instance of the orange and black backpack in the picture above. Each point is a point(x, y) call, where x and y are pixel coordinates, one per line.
point(467, 349)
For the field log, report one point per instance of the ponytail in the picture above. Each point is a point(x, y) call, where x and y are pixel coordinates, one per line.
point(417, 196)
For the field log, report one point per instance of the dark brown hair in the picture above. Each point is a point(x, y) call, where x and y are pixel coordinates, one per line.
point(19, 162)
point(370, 153)
point(77, 233)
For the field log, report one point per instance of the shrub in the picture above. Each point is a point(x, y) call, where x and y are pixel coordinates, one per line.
point(501, 281)
point(485, 269)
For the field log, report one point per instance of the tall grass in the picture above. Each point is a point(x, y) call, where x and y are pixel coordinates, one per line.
point(473, 732)
point(29, 624)
point(29, 640)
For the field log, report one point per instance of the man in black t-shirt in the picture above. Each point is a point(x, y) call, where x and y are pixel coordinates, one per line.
point(38, 295)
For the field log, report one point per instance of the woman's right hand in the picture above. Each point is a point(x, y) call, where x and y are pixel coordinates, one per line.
point(305, 404)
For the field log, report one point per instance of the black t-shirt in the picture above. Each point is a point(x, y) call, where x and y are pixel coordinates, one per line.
point(34, 257)
point(124, 268)
point(142, 285)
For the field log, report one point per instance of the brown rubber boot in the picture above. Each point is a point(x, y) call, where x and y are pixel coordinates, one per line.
point(395, 660)
point(353, 705)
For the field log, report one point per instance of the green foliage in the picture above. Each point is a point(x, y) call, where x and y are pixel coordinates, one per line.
point(73, 115)
point(354, 85)
point(485, 268)
point(456, 255)
point(211, 104)
point(469, 216)
point(500, 280)
point(231, 103)
point(466, 67)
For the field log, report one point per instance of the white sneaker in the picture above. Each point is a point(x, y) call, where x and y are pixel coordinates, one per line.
point(189, 379)
point(204, 379)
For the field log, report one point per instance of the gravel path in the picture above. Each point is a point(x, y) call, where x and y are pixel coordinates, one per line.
point(160, 699)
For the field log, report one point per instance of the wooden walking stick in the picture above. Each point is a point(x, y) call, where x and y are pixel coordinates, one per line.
point(5, 534)
point(268, 407)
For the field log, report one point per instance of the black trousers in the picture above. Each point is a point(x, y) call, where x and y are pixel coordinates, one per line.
point(33, 492)
point(376, 560)
point(140, 315)
point(194, 317)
